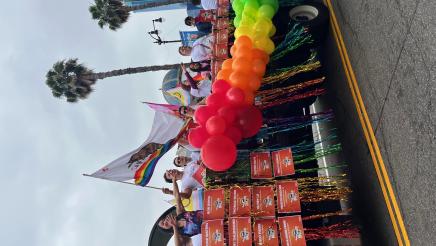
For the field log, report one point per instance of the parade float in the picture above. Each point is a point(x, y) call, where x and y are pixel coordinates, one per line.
point(272, 175)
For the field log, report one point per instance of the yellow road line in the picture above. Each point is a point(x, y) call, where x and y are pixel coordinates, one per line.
point(389, 196)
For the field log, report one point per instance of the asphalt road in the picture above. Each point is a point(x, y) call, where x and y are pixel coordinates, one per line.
point(392, 47)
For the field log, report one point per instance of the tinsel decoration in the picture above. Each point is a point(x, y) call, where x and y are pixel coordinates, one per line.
point(282, 74)
point(272, 94)
point(292, 119)
point(326, 215)
point(316, 92)
point(318, 153)
point(310, 182)
point(295, 38)
point(325, 194)
point(339, 230)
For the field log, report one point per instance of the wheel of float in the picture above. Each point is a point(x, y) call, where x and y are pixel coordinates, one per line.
point(313, 15)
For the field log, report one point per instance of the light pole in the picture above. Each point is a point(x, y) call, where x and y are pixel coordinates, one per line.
point(155, 34)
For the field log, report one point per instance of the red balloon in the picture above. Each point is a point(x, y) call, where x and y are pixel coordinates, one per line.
point(197, 136)
point(220, 86)
point(235, 96)
point(203, 113)
point(228, 113)
point(215, 100)
point(249, 120)
point(234, 134)
point(218, 153)
point(216, 125)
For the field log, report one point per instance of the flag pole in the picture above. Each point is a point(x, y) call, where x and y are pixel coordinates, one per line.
point(123, 182)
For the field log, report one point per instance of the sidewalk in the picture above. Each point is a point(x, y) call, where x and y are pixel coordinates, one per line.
point(392, 49)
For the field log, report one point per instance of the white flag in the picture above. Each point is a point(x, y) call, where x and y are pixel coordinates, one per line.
point(165, 128)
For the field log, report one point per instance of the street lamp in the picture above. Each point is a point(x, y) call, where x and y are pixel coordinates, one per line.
point(155, 34)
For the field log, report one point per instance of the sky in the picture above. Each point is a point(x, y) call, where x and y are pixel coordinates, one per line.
point(46, 143)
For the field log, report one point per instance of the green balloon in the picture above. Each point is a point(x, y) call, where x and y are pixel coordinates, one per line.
point(237, 7)
point(272, 3)
point(249, 12)
point(266, 11)
point(252, 3)
point(247, 20)
point(237, 21)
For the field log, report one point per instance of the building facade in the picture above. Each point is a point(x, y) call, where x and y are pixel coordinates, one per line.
point(164, 7)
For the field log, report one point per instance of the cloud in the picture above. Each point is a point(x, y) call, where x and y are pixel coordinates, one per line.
point(47, 144)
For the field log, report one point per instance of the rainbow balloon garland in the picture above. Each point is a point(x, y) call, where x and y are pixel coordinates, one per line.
point(229, 114)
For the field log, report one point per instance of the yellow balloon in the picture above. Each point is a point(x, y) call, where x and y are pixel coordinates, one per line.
point(243, 30)
point(272, 31)
point(260, 43)
point(269, 47)
point(261, 27)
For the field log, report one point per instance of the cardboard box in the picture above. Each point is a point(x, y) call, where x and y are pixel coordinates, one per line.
point(265, 232)
point(260, 163)
point(263, 204)
point(212, 233)
point(240, 201)
point(288, 198)
point(283, 162)
point(291, 231)
point(214, 204)
point(240, 233)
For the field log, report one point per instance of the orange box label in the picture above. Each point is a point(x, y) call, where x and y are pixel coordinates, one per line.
point(261, 165)
point(291, 231)
point(212, 233)
point(263, 201)
point(283, 162)
point(240, 231)
point(265, 232)
point(288, 198)
point(240, 201)
point(214, 204)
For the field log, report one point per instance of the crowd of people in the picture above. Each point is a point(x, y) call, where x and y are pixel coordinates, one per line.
point(197, 76)
point(186, 225)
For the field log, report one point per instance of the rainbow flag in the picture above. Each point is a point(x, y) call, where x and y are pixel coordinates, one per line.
point(138, 165)
point(145, 171)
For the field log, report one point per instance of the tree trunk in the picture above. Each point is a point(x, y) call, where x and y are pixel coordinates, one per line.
point(155, 4)
point(132, 70)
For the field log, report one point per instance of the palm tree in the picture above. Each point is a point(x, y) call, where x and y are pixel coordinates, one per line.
point(114, 13)
point(74, 81)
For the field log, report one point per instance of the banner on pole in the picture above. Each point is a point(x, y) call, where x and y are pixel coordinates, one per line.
point(139, 164)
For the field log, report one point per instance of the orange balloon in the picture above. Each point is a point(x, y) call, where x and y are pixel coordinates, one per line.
point(245, 52)
point(257, 53)
point(249, 97)
point(241, 64)
point(259, 67)
point(227, 64)
point(233, 50)
point(224, 74)
point(244, 41)
point(239, 79)
point(254, 83)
